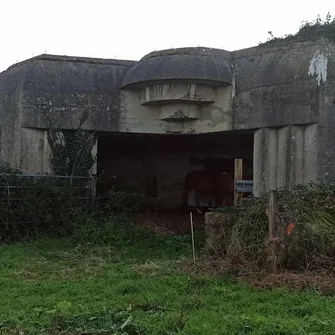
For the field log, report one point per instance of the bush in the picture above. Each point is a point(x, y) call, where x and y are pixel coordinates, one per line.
point(308, 31)
point(311, 209)
point(249, 229)
point(34, 206)
point(308, 210)
point(123, 201)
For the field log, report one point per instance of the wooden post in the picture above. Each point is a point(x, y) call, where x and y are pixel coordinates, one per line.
point(238, 175)
point(273, 232)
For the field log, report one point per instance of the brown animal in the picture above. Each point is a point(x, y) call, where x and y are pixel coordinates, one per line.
point(213, 185)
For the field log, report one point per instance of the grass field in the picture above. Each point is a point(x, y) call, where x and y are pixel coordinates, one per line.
point(54, 286)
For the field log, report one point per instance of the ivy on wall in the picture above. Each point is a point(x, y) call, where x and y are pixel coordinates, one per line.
point(71, 150)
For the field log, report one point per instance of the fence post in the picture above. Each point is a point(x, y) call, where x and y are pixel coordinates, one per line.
point(238, 175)
point(273, 240)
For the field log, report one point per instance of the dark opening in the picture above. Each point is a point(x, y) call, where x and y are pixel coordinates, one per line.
point(157, 165)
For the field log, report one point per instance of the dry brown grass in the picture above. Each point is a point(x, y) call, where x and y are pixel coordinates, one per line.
point(169, 223)
point(320, 279)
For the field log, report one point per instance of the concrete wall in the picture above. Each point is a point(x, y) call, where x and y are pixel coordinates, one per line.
point(35, 151)
point(178, 115)
point(10, 115)
point(323, 71)
point(274, 86)
point(271, 86)
point(285, 156)
point(58, 90)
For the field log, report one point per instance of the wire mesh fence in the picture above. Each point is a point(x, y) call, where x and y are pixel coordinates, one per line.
point(37, 203)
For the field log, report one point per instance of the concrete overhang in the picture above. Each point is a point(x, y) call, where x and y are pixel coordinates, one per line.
point(199, 65)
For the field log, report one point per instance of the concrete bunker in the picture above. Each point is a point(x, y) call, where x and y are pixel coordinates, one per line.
point(156, 165)
point(282, 94)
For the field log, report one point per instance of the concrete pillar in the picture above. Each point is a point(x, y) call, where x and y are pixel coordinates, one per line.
point(311, 163)
point(297, 155)
point(283, 164)
point(284, 156)
point(271, 170)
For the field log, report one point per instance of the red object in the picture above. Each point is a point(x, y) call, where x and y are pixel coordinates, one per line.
point(290, 229)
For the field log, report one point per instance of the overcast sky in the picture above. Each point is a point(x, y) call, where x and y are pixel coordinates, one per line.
point(128, 29)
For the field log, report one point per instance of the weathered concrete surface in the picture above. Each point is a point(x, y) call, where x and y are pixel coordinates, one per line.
point(11, 82)
point(36, 151)
point(283, 93)
point(54, 90)
point(274, 86)
point(325, 70)
point(285, 156)
point(191, 64)
point(212, 117)
point(269, 86)
point(58, 89)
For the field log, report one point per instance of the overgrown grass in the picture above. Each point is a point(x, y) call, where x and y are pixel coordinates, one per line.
point(308, 209)
point(56, 286)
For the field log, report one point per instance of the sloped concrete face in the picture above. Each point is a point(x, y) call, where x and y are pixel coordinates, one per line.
point(275, 86)
point(285, 156)
point(57, 90)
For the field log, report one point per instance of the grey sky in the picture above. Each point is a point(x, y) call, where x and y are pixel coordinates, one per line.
point(128, 29)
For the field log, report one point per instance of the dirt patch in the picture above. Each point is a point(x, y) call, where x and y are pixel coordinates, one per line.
point(319, 281)
point(323, 284)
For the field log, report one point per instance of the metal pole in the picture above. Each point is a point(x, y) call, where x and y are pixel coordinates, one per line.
point(192, 233)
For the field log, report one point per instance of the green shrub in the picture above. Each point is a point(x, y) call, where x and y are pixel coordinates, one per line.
point(71, 150)
point(34, 206)
point(311, 208)
point(249, 228)
point(308, 31)
point(123, 201)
